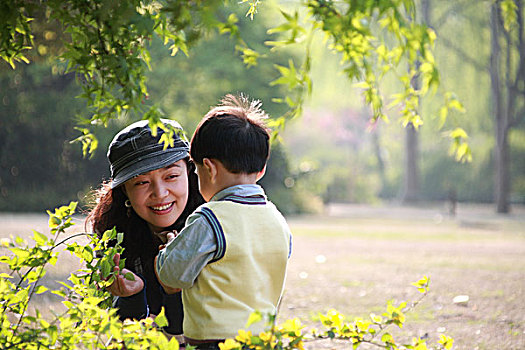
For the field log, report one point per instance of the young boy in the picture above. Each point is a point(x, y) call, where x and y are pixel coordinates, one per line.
point(230, 259)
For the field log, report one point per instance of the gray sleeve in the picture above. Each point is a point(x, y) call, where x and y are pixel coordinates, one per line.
point(181, 261)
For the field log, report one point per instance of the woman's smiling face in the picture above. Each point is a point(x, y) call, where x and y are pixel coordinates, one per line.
point(159, 196)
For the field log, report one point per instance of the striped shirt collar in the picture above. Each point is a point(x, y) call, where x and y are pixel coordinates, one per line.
point(247, 194)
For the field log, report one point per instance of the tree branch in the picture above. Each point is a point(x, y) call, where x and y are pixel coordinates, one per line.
point(521, 46)
point(457, 7)
point(520, 118)
point(464, 55)
point(509, 106)
point(72, 236)
point(514, 89)
point(494, 62)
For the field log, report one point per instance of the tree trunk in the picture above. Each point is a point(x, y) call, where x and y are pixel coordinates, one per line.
point(411, 181)
point(411, 185)
point(502, 178)
point(501, 121)
point(380, 160)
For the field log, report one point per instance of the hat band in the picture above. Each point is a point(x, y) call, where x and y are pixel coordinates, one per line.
point(142, 166)
point(145, 151)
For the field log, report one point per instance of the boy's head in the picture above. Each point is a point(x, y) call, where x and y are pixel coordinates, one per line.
point(234, 134)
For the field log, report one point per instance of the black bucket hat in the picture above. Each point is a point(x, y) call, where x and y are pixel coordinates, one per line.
point(135, 151)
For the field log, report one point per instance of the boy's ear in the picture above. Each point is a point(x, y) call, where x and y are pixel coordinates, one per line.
point(261, 173)
point(210, 167)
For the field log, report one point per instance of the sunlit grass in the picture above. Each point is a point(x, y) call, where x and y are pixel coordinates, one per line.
point(356, 264)
point(395, 230)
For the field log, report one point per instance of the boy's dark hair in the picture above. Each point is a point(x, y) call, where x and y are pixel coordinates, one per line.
point(233, 133)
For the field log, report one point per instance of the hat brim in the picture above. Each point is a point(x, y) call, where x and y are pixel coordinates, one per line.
point(147, 164)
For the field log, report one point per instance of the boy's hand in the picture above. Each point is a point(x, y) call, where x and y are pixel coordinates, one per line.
point(121, 286)
point(168, 236)
point(167, 289)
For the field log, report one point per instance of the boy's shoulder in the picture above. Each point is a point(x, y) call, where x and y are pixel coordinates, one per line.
point(238, 208)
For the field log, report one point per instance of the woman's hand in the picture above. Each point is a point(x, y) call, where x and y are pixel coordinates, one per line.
point(122, 287)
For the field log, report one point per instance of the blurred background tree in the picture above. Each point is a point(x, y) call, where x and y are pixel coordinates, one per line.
point(335, 152)
point(373, 157)
point(41, 168)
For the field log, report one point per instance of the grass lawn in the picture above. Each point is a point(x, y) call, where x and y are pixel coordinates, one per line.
point(356, 258)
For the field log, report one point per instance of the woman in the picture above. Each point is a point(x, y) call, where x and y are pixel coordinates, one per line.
point(152, 191)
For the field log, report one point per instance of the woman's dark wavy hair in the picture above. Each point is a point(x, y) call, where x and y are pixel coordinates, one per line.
point(109, 211)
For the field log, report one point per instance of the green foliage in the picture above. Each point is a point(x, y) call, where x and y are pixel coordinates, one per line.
point(111, 45)
point(39, 167)
point(15, 29)
point(253, 7)
point(38, 102)
point(108, 49)
point(374, 331)
point(88, 322)
point(463, 44)
point(509, 13)
point(459, 146)
point(109, 55)
point(352, 36)
point(373, 39)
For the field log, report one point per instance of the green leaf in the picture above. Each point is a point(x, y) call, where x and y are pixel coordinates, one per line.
point(20, 253)
point(255, 317)
point(288, 77)
point(446, 341)
point(120, 237)
point(509, 13)
point(105, 268)
point(173, 344)
point(422, 284)
point(20, 296)
point(253, 7)
point(376, 318)
point(5, 275)
point(39, 238)
point(129, 276)
point(387, 338)
point(458, 133)
point(109, 235)
point(443, 113)
point(455, 104)
point(60, 293)
point(87, 254)
point(40, 289)
point(54, 221)
point(161, 320)
point(115, 331)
